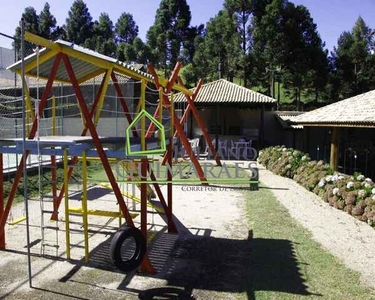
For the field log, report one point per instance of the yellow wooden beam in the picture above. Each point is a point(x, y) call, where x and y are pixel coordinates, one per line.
point(100, 213)
point(84, 206)
point(66, 204)
point(29, 106)
point(42, 58)
point(17, 221)
point(102, 95)
point(175, 87)
point(44, 78)
point(38, 40)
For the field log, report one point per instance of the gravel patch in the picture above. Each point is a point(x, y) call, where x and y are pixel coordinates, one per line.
point(211, 220)
point(350, 240)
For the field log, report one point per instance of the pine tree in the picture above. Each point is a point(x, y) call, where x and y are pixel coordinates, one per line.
point(103, 37)
point(242, 10)
point(31, 20)
point(126, 29)
point(285, 38)
point(167, 35)
point(47, 22)
point(220, 50)
point(352, 62)
point(79, 25)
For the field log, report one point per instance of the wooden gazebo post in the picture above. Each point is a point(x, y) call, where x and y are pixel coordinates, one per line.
point(334, 158)
point(261, 133)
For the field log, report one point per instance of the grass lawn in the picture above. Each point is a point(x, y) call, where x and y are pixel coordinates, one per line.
point(182, 172)
point(290, 264)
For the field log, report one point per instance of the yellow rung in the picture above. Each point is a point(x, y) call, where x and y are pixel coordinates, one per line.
point(150, 236)
point(17, 221)
point(110, 159)
point(100, 213)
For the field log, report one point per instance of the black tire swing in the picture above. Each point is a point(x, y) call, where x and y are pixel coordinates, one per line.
point(124, 233)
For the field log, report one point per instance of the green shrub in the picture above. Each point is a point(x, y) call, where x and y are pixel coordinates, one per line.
point(353, 194)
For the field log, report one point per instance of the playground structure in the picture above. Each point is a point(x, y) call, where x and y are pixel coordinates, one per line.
point(61, 61)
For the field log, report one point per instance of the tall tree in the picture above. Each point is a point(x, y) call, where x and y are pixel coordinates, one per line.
point(219, 52)
point(166, 36)
point(126, 29)
point(242, 10)
point(79, 25)
point(136, 52)
point(194, 33)
point(285, 37)
point(126, 32)
point(31, 20)
point(47, 22)
point(103, 37)
point(352, 61)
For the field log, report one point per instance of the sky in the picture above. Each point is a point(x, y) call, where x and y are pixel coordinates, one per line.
point(331, 16)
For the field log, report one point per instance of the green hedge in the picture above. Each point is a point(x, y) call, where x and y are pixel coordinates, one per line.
point(353, 194)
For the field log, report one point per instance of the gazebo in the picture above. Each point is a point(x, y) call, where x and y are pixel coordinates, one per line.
point(229, 110)
point(346, 119)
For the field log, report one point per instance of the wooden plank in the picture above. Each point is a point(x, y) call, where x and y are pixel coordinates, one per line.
point(334, 149)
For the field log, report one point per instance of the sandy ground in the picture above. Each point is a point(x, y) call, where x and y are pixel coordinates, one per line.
point(209, 220)
point(352, 241)
point(212, 258)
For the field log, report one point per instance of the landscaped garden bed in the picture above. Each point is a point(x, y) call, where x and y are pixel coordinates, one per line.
point(354, 194)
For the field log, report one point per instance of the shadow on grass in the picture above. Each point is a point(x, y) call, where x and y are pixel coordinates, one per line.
point(212, 264)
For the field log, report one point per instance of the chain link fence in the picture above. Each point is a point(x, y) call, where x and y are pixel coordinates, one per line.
point(61, 102)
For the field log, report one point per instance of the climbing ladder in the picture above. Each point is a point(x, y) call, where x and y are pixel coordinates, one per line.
point(49, 228)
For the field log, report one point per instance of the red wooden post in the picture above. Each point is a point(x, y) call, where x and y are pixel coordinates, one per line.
point(201, 124)
point(123, 102)
point(96, 140)
point(2, 236)
point(75, 159)
point(181, 132)
point(171, 225)
point(146, 264)
point(19, 172)
point(185, 115)
point(167, 90)
point(170, 189)
point(144, 197)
